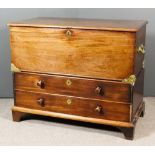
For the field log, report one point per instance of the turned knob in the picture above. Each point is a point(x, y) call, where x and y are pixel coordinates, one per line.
point(40, 102)
point(41, 84)
point(98, 90)
point(98, 109)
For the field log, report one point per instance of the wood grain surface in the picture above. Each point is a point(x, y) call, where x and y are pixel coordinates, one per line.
point(139, 57)
point(19, 112)
point(87, 53)
point(78, 106)
point(137, 97)
point(99, 24)
point(81, 87)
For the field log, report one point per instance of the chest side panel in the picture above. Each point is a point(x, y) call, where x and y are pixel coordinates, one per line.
point(139, 56)
point(138, 92)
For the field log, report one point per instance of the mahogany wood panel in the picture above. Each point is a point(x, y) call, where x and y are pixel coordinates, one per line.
point(139, 57)
point(100, 24)
point(77, 106)
point(82, 87)
point(21, 110)
point(137, 96)
point(87, 53)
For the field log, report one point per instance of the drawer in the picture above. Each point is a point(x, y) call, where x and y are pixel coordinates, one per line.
point(74, 106)
point(87, 53)
point(73, 86)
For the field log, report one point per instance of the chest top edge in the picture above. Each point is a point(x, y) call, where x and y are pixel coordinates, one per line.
point(76, 23)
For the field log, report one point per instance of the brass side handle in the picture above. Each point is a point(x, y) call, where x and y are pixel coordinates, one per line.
point(141, 49)
point(41, 84)
point(98, 109)
point(143, 64)
point(41, 102)
point(99, 90)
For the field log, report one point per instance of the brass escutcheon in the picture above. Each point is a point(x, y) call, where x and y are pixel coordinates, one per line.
point(68, 33)
point(68, 82)
point(69, 101)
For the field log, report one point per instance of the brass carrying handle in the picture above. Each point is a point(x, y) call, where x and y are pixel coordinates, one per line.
point(98, 109)
point(141, 49)
point(41, 84)
point(41, 102)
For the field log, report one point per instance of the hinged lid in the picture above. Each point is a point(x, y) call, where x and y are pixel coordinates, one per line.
point(100, 24)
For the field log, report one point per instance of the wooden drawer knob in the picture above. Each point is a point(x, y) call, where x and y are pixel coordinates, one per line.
point(41, 102)
point(41, 84)
point(98, 90)
point(98, 109)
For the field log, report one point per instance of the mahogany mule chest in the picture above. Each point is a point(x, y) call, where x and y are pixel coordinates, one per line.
point(79, 69)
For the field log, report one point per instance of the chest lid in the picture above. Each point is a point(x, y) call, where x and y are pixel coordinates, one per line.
point(100, 24)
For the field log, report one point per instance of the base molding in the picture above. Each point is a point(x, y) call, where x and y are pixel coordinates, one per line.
point(16, 109)
point(126, 127)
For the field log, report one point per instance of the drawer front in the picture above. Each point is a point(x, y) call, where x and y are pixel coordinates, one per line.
point(88, 53)
point(74, 106)
point(81, 87)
